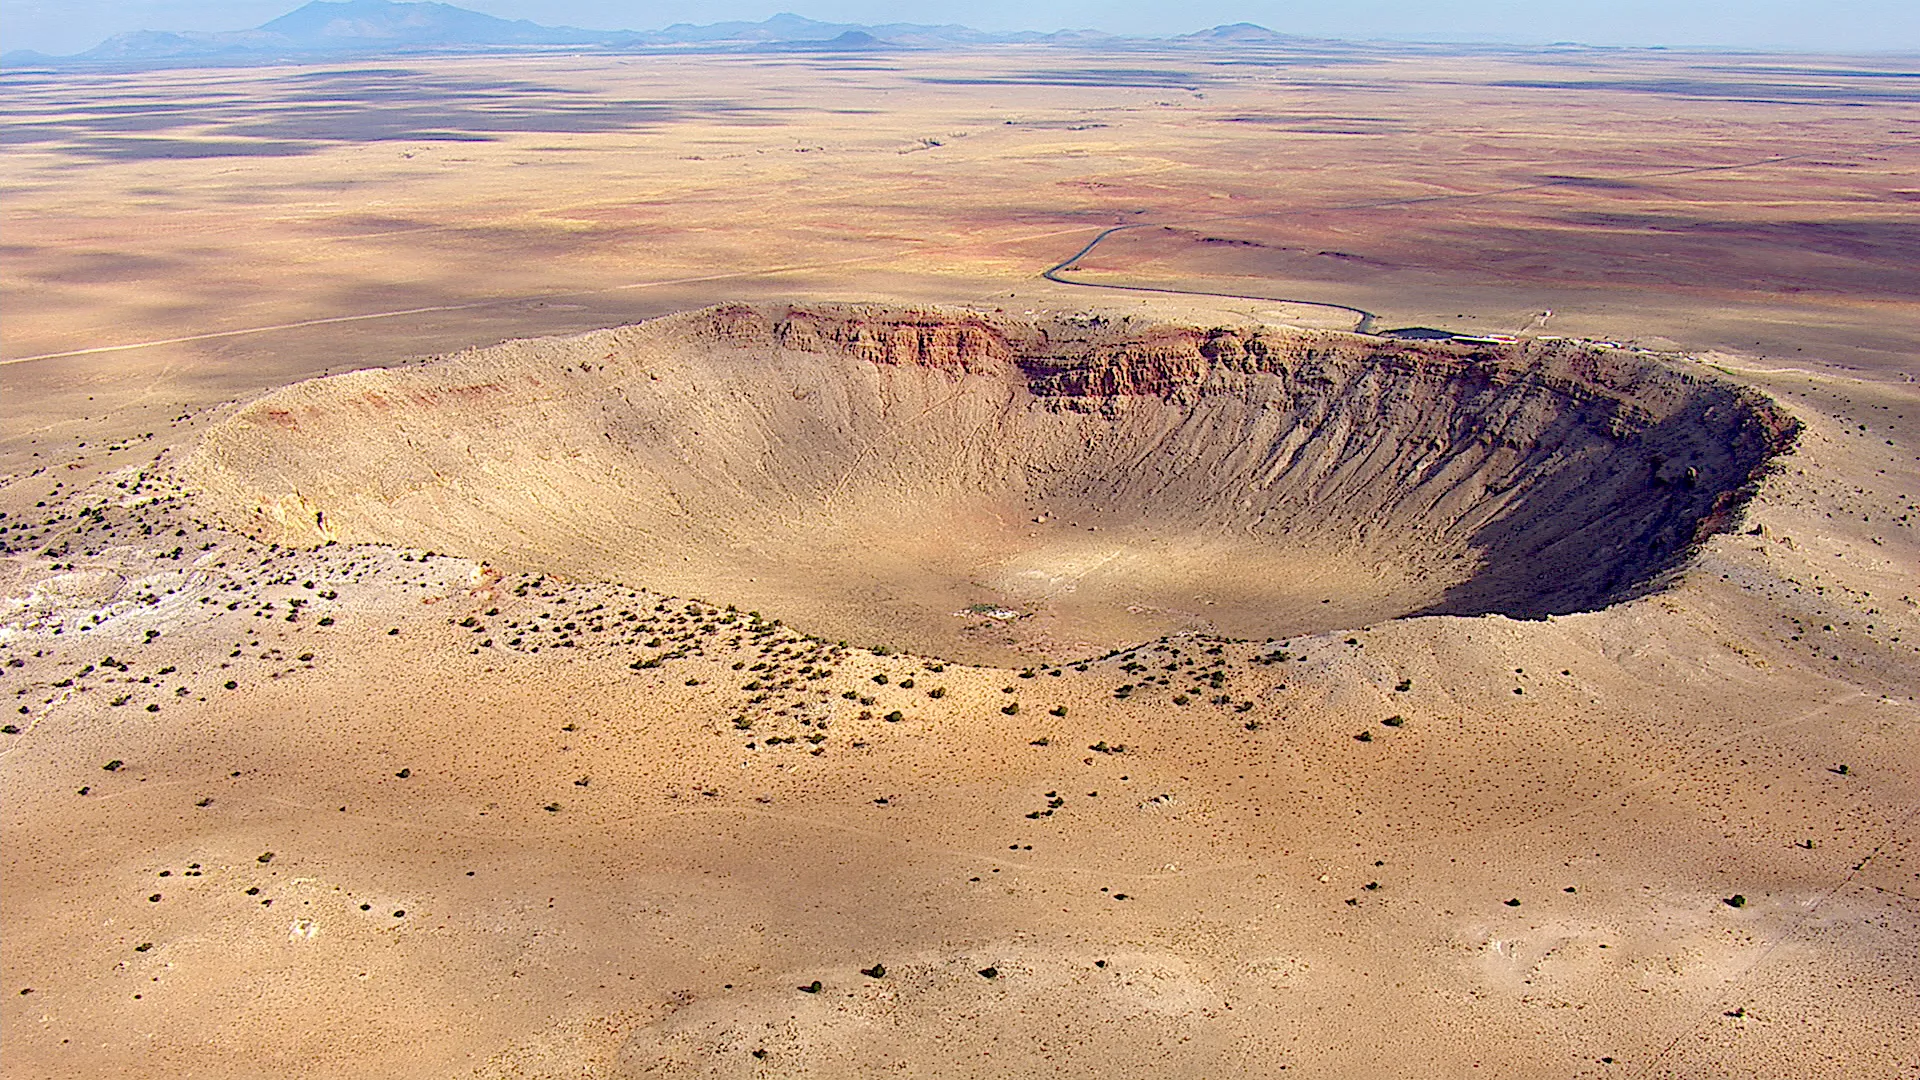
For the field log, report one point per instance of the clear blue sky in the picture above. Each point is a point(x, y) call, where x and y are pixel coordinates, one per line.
point(62, 26)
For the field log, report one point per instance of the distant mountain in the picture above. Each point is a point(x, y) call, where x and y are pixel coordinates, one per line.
point(331, 27)
point(1240, 33)
point(354, 28)
point(854, 40)
point(783, 27)
point(355, 24)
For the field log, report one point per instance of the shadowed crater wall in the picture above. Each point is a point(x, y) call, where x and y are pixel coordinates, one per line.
point(982, 486)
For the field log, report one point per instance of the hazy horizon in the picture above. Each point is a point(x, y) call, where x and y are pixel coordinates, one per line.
point(67, 26)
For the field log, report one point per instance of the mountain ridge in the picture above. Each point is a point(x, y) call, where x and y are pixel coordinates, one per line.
point(340, 29)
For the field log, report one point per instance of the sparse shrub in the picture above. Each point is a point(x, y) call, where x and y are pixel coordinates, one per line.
point(1395, 721)
point(894, 717)
point(937, 692)
point(1736, 901)
point(1011, 708)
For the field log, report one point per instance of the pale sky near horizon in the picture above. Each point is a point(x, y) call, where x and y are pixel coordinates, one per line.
point(65, 26)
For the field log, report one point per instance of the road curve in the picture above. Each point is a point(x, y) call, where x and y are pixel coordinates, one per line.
point(1363, 324)
point(1365, 319)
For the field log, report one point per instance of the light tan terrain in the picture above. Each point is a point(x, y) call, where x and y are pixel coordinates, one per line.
point(490, 717)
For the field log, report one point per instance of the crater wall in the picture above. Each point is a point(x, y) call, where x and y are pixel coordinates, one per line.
point(981, 486)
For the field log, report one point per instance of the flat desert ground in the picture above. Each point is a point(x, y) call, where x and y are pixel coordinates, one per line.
point(399, 784)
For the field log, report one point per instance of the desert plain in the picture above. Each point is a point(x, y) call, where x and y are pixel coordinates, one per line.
point(954, 637)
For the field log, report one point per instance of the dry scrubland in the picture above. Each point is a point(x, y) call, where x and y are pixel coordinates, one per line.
point(490, 717)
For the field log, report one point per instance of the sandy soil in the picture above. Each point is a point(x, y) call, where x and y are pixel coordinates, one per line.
point(361, 809)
